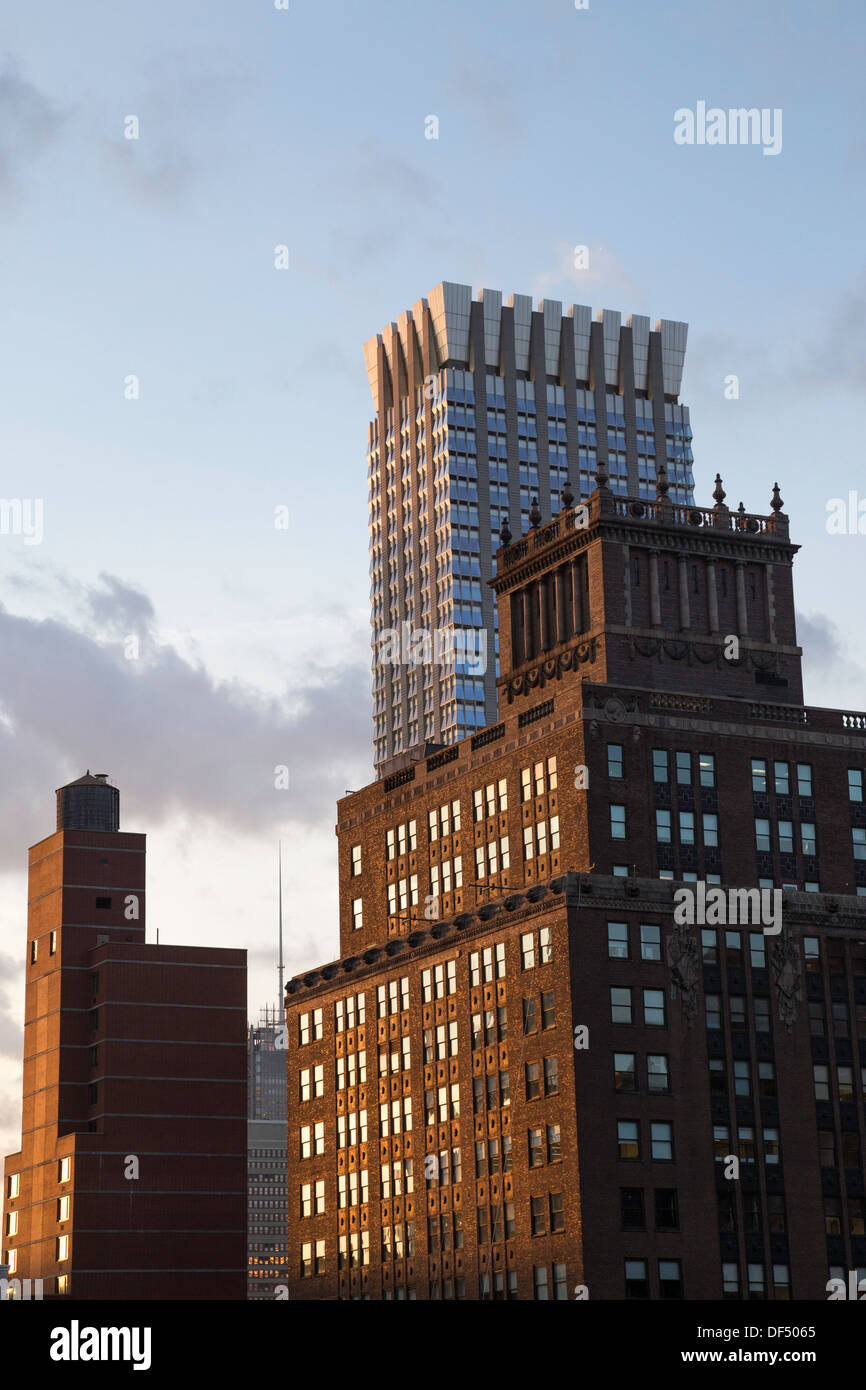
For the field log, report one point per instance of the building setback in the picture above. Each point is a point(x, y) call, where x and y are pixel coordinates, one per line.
point(131, 1179)
point(523, 1078)
point(481, 408)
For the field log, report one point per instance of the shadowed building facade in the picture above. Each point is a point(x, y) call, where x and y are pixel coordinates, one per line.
point(131, 1179)
point(524, 1077)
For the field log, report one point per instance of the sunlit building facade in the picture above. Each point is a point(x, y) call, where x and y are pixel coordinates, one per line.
point(480, 409)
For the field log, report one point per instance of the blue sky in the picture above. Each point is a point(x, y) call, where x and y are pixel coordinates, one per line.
point(261, 127)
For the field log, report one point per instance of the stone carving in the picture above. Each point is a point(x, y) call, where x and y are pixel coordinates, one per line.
point(785, 962)
point(552, 668)
point(684, 965)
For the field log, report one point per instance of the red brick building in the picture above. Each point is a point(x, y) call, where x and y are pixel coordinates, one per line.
point(523, 1078)
point(131, 1180)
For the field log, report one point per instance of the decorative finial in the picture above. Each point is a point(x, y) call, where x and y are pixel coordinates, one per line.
point(505, 533)
point(662, 484)
point(719, 493)
point(601, 474)
point(534, 513)
point(567, 495)
point(777, 504)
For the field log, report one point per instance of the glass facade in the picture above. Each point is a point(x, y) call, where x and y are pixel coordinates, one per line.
point(444, 471)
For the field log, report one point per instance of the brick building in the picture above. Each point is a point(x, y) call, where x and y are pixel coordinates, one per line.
point(524, 1076)
point(131, 1180)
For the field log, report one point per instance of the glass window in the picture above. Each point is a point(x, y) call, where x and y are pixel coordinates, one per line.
point(662, 1142)
point(804, 779)
point(614, 760)
point(632, 1208)
point(660, 765)
point(766, 1079)
point(617, 940)
point(620, 1005)
point(687, 827)
point(636, 1282)
point(812, 952)
point(759, 774)
point(733, 948)
point(628, 1139)
point(650, 943)
point(663, 827)
point(654, 1008)
point(658, 1076)
point(757, 950)
point(855, 784)
point(709, 947)
point(711, 828)
point(548, 1010)
point(624, 1071)
point(684, 769)
point(762, 834)
point(667, 1209)
point(781, 779)
point(670, 1279)
point(617, 822)
point(707, 764)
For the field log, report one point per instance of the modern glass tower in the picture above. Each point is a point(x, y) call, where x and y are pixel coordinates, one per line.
point(481, 408)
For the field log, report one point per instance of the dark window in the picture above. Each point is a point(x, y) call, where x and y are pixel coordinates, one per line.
point(557, 1214)
point(551, 1076)
point(667, 1209)
point(632, 1208)
point(103, 902)
point(636, 1282)
point(670, 1279)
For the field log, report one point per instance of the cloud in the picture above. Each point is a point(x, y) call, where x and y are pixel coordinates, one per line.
point(172, 737)
point(118, 608)
point(839, 358)
point(487, 94)
point(604, 276)
point(161, 178)
point(832, 679)
point(29, 124)
point(11, 974)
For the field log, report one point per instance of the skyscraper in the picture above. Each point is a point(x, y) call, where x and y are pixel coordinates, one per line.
point(268, 1212)
point(597, 1025)
point(131, 1178)
point(480, 408)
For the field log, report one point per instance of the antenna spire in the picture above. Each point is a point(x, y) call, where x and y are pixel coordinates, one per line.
point(281, 1000)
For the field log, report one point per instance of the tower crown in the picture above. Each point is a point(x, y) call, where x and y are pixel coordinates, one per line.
point(651, 593)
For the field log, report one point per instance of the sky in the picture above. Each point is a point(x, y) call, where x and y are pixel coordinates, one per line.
point(167, 392)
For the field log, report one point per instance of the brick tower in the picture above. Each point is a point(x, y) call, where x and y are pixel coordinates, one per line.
point(131, 1179)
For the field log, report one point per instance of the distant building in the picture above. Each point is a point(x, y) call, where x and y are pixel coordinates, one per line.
point(268, 1209)
point(266, 1069)
point(131, 1179)
point(481, 407)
